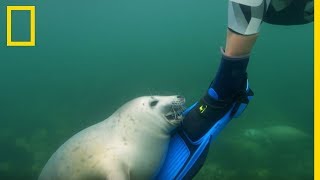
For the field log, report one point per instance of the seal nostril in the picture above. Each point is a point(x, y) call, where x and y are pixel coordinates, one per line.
point(179, 96)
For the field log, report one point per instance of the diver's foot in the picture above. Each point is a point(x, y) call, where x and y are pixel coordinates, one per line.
point(227, 97)
point(209, 110)
point(201, 126)
point(227, 91)
point(189, 147)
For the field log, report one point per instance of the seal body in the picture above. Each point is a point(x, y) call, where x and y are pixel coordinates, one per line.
point(280, 134)
point(130, 144)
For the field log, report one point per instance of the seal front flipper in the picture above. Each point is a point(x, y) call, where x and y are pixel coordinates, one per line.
point(188, 148)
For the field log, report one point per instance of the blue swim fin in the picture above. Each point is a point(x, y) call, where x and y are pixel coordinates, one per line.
point(187, 152)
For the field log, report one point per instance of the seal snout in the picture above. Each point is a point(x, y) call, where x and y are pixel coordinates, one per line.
point(177, 108)
point(179, 101)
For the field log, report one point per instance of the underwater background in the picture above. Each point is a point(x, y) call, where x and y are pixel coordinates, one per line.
point(92, 56)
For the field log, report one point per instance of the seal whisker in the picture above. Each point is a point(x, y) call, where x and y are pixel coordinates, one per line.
point(150, 93)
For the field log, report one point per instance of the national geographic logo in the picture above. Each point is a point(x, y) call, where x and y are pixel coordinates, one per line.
point(32, 40)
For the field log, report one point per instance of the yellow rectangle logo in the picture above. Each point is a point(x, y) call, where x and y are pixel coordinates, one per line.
point(32, 25)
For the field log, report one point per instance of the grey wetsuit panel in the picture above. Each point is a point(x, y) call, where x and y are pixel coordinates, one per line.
point(245, 19)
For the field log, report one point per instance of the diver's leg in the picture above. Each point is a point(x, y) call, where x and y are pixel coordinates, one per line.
point(229, 92)
point(226, 97)
point(238, 44)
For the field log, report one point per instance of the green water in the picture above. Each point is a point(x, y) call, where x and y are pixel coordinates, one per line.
point(92, 56)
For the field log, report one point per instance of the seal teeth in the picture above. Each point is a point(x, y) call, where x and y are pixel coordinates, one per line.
point(171, 116)
point(169, 113)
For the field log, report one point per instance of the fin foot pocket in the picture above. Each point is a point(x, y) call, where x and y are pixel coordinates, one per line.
point(203, 122)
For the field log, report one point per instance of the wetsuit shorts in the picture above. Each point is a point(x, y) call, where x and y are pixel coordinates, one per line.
point(246, 16)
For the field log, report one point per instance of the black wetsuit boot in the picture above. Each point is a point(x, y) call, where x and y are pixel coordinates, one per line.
point(226, 98)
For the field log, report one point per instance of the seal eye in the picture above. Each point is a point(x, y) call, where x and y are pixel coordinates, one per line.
point(154, 103)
